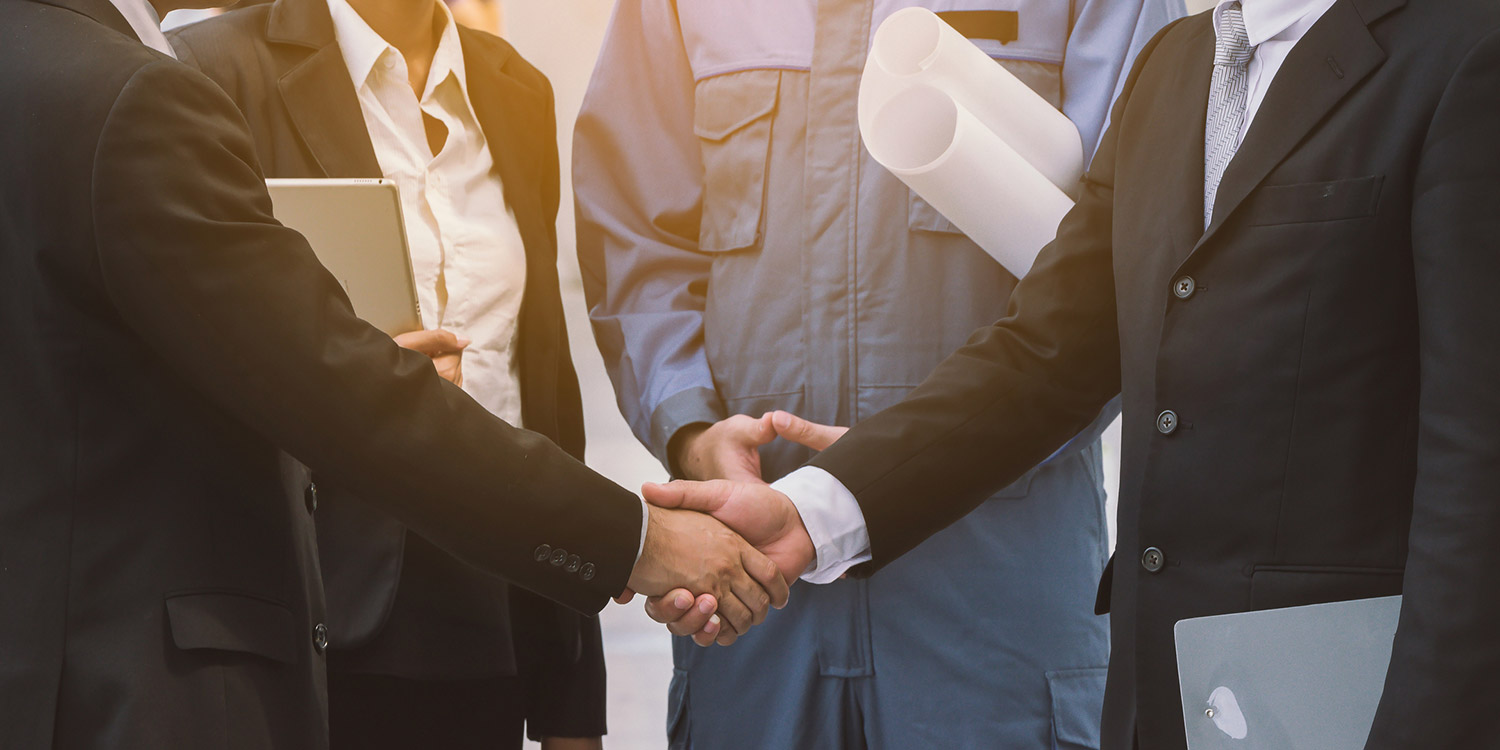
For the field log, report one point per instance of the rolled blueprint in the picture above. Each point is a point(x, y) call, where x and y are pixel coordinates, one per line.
point(913, 47)
point(968, 173)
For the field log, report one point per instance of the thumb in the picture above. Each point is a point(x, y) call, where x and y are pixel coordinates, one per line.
point(704, 497)
point(811, 434)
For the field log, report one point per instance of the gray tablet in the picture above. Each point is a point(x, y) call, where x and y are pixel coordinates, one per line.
point(1301, 678)
point(356, 230)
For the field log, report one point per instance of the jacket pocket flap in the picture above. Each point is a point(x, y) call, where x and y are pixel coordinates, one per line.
point(1276, 586)
point(726, 103)
point(1351, 198)
point(233, 622)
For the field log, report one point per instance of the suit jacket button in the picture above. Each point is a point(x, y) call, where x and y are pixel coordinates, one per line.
point(587, 573)
point(542, 552)
point(320, 637)
point(559, 556)
point(574, 562)
point(1166, 422)
point(1184, 287)
point(310, 497)
point(1153, 559)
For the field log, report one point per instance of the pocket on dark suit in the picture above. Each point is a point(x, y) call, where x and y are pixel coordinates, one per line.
point(1276, 586)
point(1331, 200)
point(231, 621)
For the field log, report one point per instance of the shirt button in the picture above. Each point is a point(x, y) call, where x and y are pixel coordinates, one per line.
point(310, 497)
point(587, 573)
point(1184, 287)
point(1166, 422)
point(542, 552)
point(1152, 560)
point(320, 637)
point(559, 556)
point(574, 562)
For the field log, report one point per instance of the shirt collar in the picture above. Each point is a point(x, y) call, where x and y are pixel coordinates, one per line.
point(362, 47)
point(1266, 20)
point(141, 15)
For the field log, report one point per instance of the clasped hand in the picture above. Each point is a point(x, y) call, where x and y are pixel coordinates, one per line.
point(758, 515)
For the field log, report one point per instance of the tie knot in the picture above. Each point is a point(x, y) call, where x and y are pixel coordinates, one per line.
point(1233, 46)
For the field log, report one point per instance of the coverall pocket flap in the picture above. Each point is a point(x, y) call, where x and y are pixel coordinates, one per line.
point(1077, 703)
point(733, 120)
point(724, 104)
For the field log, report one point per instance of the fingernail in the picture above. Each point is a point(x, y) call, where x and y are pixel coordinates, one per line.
point(782, 419)
point(683, 601)
point(712, 626)
point(706, 606)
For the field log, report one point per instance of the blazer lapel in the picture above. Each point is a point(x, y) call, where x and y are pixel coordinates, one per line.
point(1331, 59)
point(1181, 166)
point(319, 96)
point(498, 101)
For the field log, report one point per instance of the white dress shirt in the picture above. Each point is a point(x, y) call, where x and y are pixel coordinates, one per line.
point(832, 516)
point(467, 255)
point(466, 250)
point(141, 15)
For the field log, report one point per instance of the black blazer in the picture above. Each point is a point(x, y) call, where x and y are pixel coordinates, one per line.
point(1326, 350)
point(167, 340)
point(282, 65)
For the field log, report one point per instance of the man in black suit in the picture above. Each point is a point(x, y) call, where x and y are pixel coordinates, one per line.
point(424, 649)
point(1309, 382)
point(168, 340)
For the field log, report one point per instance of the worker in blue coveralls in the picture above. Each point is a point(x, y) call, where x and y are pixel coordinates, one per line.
point(743, 254)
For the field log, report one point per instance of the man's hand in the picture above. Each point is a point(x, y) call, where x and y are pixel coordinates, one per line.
point(763, 516)
point(443, 347)
point(791, 427)
point(724, 450)
point(698, 553)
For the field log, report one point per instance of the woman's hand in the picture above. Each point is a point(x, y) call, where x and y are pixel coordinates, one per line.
point(446, 349)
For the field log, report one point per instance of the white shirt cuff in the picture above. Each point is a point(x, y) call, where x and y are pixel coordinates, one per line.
point(833, 520)
point(645, 521)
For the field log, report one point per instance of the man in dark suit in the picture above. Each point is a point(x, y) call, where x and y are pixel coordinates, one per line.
point(168, 340)
point(1309, 382)
point(424, 649)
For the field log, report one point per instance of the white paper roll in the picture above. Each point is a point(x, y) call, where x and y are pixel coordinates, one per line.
point(915, 47)
point(988, 190)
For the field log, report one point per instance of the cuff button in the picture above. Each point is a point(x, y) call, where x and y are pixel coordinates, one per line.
point(542, 553)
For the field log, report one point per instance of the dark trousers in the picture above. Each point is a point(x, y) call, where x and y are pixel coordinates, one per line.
point(375, 712)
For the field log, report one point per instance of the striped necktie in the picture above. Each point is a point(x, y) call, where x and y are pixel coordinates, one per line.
point(1227, 98)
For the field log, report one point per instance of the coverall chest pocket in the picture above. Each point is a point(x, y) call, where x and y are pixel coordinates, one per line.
point(732, 119)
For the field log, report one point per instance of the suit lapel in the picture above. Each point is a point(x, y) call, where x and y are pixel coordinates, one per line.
point(318, 93)
point(501, 103)
point(1181, 168)
point(1334, 56)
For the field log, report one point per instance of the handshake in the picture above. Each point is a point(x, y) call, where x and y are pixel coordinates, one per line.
point(720, 553)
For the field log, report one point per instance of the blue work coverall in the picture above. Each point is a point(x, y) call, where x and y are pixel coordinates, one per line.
point(742, 252)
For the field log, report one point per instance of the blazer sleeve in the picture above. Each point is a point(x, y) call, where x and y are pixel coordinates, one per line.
point(1445, 665)
point(638, 183)
point(239, 308)
point(1006, 400)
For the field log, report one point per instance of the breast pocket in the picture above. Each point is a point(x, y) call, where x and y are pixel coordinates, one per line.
point(733, 119)
point(1334, 200)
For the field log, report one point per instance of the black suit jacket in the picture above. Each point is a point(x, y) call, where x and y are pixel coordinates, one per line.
point(282, 65)
point(1331, 367)
point(167, 341)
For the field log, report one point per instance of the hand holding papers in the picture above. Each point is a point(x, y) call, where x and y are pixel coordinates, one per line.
point(970, 138)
